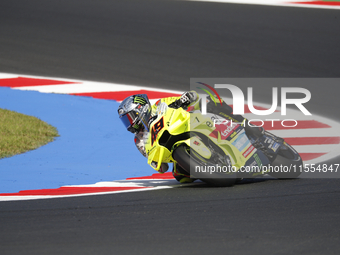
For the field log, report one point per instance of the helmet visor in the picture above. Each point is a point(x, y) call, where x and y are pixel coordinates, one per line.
point(129, 119)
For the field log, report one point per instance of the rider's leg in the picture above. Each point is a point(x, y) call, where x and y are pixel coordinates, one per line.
point(254, 131)
point(225, 111)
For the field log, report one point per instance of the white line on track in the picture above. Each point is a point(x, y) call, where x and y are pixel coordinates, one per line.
point(89, 87)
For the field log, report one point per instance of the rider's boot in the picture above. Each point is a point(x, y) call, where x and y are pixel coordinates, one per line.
point(225, 110)
point(254, 131)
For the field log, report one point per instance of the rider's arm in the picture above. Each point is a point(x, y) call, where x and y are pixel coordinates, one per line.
point(140, 143)
point(140, 138)
point(191, 100)
point(186, 100)
point(224, 110)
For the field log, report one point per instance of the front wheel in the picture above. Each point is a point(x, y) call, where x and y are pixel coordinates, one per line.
point(189, 162)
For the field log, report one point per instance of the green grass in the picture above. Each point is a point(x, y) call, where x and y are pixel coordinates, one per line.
point(20, 133)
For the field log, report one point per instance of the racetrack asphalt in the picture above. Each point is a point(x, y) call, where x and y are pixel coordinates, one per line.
point(163, 44)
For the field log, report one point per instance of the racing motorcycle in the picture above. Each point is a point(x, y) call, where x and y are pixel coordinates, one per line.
point(217, 152)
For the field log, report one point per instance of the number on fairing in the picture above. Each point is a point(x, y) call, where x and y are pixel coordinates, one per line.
point(155, 130)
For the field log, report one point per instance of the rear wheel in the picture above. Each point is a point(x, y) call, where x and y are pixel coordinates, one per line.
point(190, 161)
point(288, 163)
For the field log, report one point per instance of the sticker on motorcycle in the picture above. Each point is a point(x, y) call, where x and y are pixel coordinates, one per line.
point(248, 151)
point(241, 141)
point(158, 126)
point(275, 146)
point(258, 160)
point(225, 129)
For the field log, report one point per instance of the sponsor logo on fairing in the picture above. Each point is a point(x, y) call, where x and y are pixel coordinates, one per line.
point(248, 151)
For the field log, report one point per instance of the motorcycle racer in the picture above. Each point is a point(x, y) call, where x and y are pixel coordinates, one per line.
point(137, 114)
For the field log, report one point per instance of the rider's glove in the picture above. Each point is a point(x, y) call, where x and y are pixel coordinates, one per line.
point(188, 98)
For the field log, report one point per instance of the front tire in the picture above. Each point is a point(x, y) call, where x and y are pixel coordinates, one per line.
point(188, 161)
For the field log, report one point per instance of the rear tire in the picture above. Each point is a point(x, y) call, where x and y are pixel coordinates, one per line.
point(287, 159)
point(188, 161)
